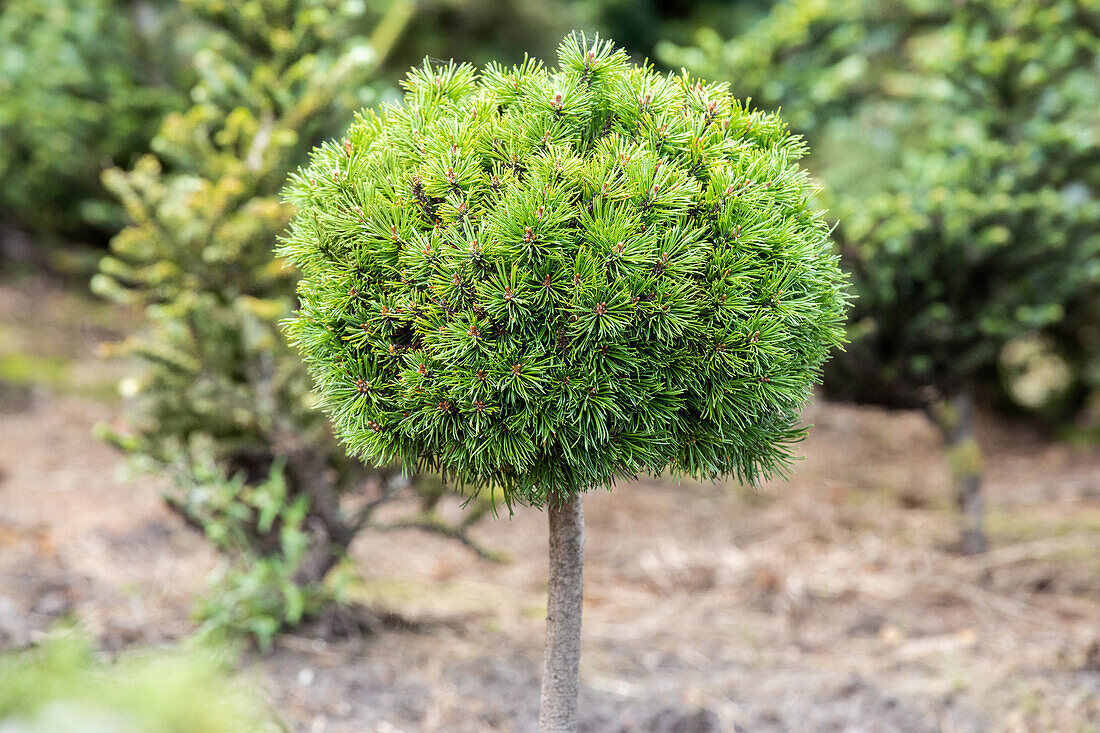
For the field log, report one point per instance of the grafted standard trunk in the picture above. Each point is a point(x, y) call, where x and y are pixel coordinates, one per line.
point(561, 661)
point(955, 418)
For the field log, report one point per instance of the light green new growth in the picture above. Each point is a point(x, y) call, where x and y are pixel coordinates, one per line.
point(542, 280)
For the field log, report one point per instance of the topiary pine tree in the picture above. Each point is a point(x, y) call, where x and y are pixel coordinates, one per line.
point(979, 230)
point(540, 281)
point(222, 406)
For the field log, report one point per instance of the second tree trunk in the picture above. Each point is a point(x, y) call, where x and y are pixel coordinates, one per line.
point(955, 418)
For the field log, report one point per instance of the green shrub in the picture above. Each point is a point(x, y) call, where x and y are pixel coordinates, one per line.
point(222, 408)
point(541, 281)
point(978, 229)
point(989, 233)
point(909, 101)
point(62, 686)
point(78, 92)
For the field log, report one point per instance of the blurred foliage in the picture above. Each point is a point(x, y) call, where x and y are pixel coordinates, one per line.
point(62, 686)
point(479, 31)
point(261, 523)
point(641, 26)
point(819, 61)
point(959, 144)
point(83, 85)
point(221, 407)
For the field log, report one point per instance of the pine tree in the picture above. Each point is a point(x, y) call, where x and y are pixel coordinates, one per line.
point(222, 406)
point(539, 281)
point(990, 232)
point(971, 226)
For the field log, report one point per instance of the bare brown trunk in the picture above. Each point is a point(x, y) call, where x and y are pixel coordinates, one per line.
point(321, 556)
point(561, 661)
point(955, 418)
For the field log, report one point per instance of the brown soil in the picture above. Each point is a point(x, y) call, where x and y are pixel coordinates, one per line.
point(829, 603)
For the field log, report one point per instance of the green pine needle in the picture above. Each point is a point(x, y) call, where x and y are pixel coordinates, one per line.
point(543, 280)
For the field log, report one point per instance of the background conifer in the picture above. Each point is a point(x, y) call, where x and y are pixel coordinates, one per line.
point(964, 174)
point(222, 408)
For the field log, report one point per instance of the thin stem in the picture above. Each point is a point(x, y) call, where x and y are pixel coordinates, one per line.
point(431, 523)
point(561, 662)
point(955, 418)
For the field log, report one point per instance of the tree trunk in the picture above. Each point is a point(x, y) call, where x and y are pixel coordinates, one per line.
point(561, 661)
point(955, 418)
point(321, 557)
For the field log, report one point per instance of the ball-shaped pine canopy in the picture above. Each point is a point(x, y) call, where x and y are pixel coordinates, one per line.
point(543, 280)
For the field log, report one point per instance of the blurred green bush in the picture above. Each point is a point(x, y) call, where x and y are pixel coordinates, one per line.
point(959, 146)
point(221, 407)
point(480, 31)
point(83, 85)
point(61, 686)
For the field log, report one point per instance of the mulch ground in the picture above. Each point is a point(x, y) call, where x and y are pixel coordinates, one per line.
point(831, 602)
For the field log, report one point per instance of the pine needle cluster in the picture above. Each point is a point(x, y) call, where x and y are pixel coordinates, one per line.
point(541, 280)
